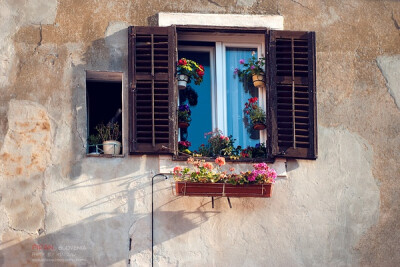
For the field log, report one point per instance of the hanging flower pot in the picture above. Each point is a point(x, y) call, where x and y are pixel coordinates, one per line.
point(183, 125)
point(182, 81)
point(259, 80)
point(259, 126)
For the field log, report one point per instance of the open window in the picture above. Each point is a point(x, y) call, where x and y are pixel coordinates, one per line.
point(288, 98)
point(104, 112)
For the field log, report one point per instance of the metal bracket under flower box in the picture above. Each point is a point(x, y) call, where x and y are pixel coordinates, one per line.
point(222, 190)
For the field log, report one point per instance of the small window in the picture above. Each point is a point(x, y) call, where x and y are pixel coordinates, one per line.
point(104, 112)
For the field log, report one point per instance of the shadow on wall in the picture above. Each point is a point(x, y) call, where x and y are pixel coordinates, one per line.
point(93, 239)
point(99, 232)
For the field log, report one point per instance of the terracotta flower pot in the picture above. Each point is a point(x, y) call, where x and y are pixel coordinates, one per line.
point(222, 190)
point(259, 80)
point(259, 126)
point(182, 81)
point(183, 125)
point(111, 147)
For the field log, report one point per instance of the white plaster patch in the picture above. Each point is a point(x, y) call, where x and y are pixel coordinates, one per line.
point(390, 68)
point(15, 14)
point(246, 3)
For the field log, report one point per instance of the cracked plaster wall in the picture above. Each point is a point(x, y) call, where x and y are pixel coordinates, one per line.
point(342, 209)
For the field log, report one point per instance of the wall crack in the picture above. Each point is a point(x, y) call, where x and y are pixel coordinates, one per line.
point(215, 3)
point(294, 1)
point(40, 38)
point(396, 24)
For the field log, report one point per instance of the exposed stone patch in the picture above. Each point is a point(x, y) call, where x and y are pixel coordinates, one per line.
point(23, 159)
point(390, 68)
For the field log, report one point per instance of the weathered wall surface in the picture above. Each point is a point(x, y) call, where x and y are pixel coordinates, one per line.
point(340, 210)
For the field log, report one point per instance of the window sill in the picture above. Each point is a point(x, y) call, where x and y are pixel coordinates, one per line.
point(104, 156)
point(242, 160)
point(167, 163)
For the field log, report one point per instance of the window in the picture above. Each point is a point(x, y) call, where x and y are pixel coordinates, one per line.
point(104, 107)
point(289, 97)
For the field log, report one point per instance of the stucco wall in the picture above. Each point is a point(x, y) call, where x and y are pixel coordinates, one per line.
point(340, 210)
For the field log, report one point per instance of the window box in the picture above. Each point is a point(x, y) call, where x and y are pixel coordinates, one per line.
point(222, 190)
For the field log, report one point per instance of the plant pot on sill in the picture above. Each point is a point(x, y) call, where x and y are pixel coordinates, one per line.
point(259, 80)
point(111, 147)
point(259, 126)
point(182, 81)
point(183, 125)
point(222, 190)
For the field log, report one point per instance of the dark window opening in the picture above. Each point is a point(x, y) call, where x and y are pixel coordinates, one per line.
point(104, 106)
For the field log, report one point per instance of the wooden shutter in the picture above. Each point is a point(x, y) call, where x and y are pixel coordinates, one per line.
point(152, 94)
point(292, 108)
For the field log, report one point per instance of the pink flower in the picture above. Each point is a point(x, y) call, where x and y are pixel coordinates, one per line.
point(177, 170)
point(232, 169)
point(236, 71)
point(241, 61)
point(208, 165)
point(252, 67)
point(220, 161)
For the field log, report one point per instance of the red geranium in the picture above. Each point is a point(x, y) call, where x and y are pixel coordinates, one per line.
point(182, 62)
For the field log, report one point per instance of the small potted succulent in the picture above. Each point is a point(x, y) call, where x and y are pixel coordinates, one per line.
point(187, 71)
point(184, 118)
point(255, 113)
point(109, 134)
point(254, 68)
point(93, 141)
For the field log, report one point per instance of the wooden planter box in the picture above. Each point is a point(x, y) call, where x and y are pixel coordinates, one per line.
point(222, 190)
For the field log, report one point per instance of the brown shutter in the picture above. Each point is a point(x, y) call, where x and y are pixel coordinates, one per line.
point(292, 95)
point(152, 94)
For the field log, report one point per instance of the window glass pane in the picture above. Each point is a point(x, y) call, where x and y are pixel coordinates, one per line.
point(237, 94)
point(201, 113)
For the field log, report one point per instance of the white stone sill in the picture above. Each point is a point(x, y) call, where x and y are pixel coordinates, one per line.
point(167, 164)
point(274, 22)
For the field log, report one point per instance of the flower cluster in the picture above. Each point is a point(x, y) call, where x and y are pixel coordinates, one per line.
point(192, 69)
point(217, 145)
point(254, 111)
point(184, 113)
point(253, 67)
point(204, 172)
point(257, 151)
point(262, 174)
point(183, 146)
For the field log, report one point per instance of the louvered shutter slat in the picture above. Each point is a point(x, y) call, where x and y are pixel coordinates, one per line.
point(153, 97)
point(292, 106)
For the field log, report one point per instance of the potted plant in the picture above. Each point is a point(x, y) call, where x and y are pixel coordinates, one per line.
point(205, 179)
point(93, 142)
point(254, 68)
point(184, 118)
point(188, 70)
point(109, 135)
point(255, 113)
